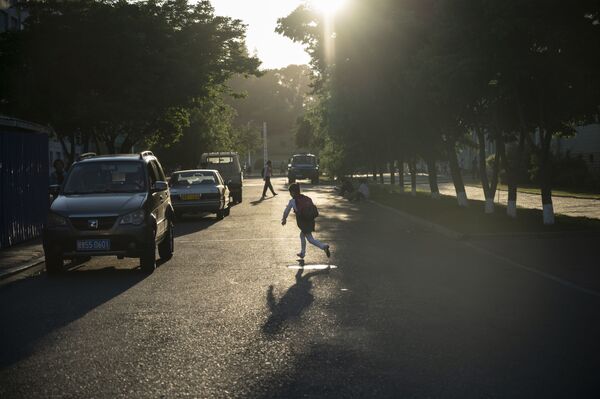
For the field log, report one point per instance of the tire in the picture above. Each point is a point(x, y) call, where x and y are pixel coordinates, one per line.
point(220, 214)
point(237, 198)
point(54, 263)
point(167, 245)
point(148, 257)
point(227, 210)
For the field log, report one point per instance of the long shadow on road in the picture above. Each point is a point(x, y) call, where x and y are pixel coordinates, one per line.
point(291, 305)
point(33, 308)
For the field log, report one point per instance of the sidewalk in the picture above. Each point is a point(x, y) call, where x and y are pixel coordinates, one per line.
point(20, 257)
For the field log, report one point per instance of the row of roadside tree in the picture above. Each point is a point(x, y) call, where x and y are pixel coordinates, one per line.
point(398, 81)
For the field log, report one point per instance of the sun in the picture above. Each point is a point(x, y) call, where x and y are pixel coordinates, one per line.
point(327, 7)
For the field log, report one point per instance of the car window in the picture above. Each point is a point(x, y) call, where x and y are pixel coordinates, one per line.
point(159, 170)
point(105, 177)
point(193, 178)
point(303, 160)
point(152, 173)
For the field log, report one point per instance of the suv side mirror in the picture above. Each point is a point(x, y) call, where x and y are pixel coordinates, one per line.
point(159, 186)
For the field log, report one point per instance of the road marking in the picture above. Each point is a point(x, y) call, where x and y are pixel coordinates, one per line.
point(540, 273)
point(312, 267)
point(245, 239)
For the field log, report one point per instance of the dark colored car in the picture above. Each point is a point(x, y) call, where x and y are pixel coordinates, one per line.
point(111, 205)
point(303, 166)
point(198, 191)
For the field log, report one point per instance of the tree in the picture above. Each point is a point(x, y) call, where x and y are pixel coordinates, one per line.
point(117, 71)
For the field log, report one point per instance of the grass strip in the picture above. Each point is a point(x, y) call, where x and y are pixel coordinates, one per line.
point(473, 220)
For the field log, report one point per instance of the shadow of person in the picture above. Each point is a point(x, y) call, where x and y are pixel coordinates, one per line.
point(291, 305)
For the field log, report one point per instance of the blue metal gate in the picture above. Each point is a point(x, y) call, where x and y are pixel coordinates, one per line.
point(24, 179)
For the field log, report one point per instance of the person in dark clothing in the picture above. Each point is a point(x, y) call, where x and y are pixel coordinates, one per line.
point(58, 176)
point(267, 173)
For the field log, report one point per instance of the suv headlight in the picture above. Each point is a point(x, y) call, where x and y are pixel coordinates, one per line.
point(136, 218)
point(55, 220)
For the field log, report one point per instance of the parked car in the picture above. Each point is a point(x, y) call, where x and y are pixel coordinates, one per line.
point(111, 205)
point(199, 191)
point(228, 165)
point(303, 166)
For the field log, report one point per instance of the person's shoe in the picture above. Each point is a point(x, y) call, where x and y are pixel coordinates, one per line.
point(301, 256)
point(327, 252)
point(274, 194)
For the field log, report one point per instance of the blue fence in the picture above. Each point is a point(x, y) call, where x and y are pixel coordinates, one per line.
point(24, 197)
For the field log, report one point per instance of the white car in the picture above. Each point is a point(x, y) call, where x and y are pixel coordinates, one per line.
point(199, 191)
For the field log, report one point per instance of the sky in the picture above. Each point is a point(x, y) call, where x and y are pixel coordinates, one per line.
point(274, 50)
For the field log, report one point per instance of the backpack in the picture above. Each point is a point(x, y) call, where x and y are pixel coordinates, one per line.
point(306, 209)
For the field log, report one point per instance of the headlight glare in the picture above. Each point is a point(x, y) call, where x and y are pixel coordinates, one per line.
point(136, 218)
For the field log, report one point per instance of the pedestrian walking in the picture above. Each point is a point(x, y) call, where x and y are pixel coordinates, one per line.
point(267, 173)
point(306, 212)
point(58, 176)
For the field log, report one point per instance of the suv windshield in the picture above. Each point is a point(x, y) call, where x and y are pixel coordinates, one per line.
point(192, 178)
point(303, 160)
point(106, 177)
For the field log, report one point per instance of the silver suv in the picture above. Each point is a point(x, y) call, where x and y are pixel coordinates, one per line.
point(111, 205)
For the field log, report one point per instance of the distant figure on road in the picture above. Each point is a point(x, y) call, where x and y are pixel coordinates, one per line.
point(306, 212)
point(267, 173)
point(58, 176)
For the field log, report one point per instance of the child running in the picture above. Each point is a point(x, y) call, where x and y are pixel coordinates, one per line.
point(306, 212)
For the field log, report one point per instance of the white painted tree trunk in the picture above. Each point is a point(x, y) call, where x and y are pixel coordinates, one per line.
point(435, 196)
point(548, 214)
point(462, 199)
point(413, 192)
point(511, 209)
point(489, 205)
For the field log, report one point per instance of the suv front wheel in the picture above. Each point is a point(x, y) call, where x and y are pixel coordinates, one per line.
point(148, 256)
point(167, 246)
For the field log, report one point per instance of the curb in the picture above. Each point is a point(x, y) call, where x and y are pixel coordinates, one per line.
point(423, 223)
point(20, 268)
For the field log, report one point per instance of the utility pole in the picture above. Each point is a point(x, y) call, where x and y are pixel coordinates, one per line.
point(265, 151)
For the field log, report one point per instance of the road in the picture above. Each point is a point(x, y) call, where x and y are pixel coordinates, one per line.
point(401, 312)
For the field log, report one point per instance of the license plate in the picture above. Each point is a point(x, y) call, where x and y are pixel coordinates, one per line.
point(93, 245)
point(191, 197)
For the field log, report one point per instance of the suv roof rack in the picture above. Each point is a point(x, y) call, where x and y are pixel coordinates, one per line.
point(86, 155)
point(146, 154)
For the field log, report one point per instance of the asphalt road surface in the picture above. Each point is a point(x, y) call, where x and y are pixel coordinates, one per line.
point(401, 313)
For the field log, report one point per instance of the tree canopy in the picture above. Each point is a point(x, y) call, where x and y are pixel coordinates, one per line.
point(120, 73)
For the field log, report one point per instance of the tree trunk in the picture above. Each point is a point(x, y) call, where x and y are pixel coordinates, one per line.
point(381, 171)
point(126, 146)
point(459, 185)
point(412, 165)
point(401, 174)
point(392, 173)
point(66, 150)
point(485, 184)
point(433, 183)
point(374, 174)
point(546, 179)
point(72, 154)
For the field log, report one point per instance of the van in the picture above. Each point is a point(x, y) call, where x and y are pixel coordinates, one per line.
point(228, 164)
